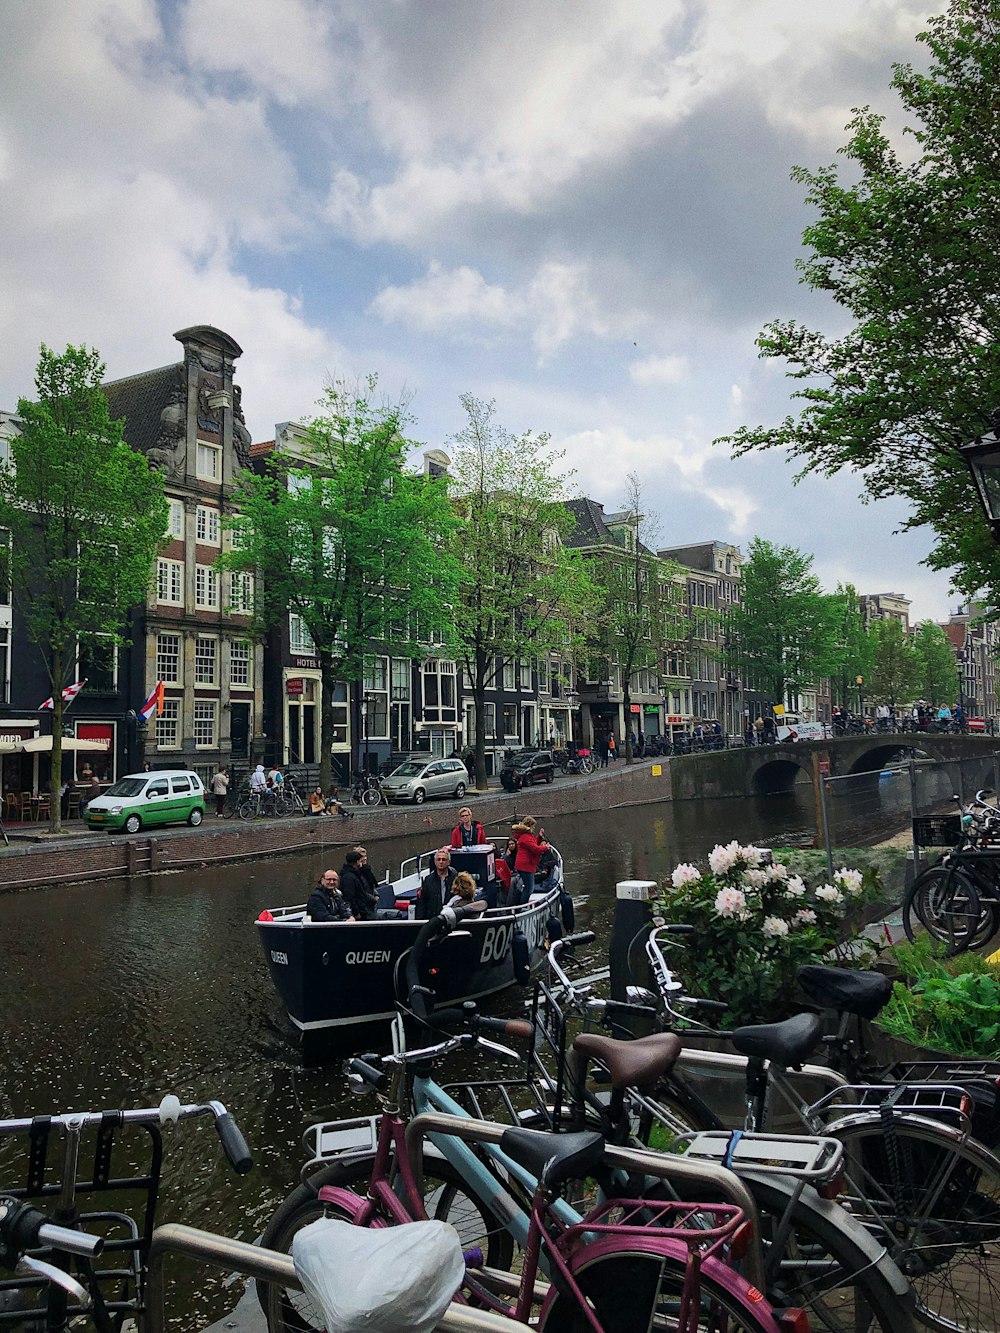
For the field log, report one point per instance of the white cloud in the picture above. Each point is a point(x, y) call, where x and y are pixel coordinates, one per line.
point(659, 370)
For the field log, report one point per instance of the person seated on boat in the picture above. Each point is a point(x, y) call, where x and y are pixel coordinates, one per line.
point(326, 902)
point(546, 874)
point(317, 802)
point(530, 846)
point(367, 874)
point(465, 893)
point(467, 832)
point(360, 898)
point(435, 887)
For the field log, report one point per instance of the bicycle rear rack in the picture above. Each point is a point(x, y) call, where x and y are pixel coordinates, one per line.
point(814, 1160)
point(935, 1101)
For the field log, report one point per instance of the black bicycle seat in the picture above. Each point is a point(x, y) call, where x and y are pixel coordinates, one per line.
point(786, 1043)
point(554, 1158)
point(861, 993)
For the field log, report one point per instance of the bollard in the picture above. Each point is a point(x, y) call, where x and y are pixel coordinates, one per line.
point(632, 914)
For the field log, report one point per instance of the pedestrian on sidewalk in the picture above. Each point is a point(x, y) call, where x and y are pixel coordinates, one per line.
point(220, 787)
point(612, 747)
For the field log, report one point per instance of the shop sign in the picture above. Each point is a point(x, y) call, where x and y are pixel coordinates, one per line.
point(652, 710)
point(674, 719)
point(294, 685)
point(634, 708)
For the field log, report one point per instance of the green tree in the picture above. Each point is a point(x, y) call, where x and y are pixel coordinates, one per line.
point(937, 670)
point(340, 533)
point(909, 248)
point(852, 652)
point(523, 593)
point(782, 636)
point(893, 675)
point(639, 614)
point(85, 514)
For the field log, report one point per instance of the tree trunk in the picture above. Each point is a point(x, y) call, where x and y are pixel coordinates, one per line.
point(327, 677)
point(479, 701)
point(55, 773)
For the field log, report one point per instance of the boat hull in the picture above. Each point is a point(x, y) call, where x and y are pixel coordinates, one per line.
point(336, 975)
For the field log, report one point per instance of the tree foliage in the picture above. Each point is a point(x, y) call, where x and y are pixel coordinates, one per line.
point(909, 248)
point(782, 636)
point(640, 614)
point(893, 675)
point(341, 534)
point(852, 653)
point(85, 514)
point(522, 592)
point(937, 678)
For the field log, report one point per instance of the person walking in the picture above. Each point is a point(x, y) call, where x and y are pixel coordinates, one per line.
point(220, 786)
point(612, 747)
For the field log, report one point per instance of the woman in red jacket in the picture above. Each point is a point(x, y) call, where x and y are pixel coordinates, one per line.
point(530, 846)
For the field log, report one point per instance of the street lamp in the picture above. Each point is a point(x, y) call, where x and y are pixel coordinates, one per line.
point(982, 456)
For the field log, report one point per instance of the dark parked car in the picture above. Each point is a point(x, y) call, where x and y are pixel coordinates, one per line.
point(527, 768)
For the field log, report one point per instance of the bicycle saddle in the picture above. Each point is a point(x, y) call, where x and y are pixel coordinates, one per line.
point(554, 1158)
point(632, 1063)
point(861, 993)
point(786, 1043)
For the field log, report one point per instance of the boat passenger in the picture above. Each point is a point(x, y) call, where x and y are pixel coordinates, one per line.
point(465, 893)
point(435, 887)
point(467, 832)
point(530, 846)
point(326, 902)
point(546, 873)
point(503, 868)
point(360, 898)
point(367, 874)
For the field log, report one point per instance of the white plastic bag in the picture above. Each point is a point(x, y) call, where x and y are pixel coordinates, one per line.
point(393, 1280)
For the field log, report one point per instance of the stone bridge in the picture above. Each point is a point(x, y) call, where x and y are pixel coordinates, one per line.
point(760, 770)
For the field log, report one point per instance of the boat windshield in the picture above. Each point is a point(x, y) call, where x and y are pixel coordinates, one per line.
point(407, 770)
point(127, 787)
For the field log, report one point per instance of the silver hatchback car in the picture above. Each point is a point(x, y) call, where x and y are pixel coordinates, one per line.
point(419, 778)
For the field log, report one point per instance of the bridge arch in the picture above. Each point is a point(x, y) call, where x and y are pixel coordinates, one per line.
point(776, 776)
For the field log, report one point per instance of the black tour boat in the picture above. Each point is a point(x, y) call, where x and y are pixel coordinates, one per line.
point(334, 975)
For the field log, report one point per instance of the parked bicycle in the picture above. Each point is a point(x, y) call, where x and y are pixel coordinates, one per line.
point(367, 790)
point(957, 898)
point(627, 1263)
point(105, 1270)
point(915, 1176)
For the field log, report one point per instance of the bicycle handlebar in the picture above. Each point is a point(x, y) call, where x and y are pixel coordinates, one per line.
point(23, 1227)
point(170, 1110)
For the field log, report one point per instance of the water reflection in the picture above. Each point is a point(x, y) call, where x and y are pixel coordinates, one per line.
point(113, 994)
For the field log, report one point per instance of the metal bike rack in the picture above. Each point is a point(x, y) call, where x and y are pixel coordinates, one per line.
point(269, 1266)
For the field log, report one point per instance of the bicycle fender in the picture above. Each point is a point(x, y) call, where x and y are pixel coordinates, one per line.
point(876, 1254)
point(350, 1203)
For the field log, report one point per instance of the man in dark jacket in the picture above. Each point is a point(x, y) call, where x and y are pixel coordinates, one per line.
point(435, 887)
point(326, 902)
point(355, 889)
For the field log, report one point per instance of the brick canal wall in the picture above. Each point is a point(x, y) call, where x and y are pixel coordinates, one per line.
point(99, 856)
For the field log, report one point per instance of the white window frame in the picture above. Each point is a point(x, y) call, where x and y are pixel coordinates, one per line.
point(202, 660)
point(206, 588)
point(300, 641)
point(207, 529)
point(168, 726)
point(242, 590)
point(175, 519)
point(163, 657)
point(203, 452)
point(241, 655)
point(206, 710)
point(170, 580)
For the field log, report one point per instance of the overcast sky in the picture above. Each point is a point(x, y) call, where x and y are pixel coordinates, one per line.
point(579, 208)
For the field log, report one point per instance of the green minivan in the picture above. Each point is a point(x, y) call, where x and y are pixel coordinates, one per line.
point(145, 800)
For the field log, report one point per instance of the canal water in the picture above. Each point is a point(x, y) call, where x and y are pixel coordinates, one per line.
point(112, 994)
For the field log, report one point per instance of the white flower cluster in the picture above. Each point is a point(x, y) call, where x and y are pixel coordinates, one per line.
point(851, 881)
point(683, 874)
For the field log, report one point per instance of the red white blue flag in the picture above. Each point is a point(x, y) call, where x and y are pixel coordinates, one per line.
point(154, 702)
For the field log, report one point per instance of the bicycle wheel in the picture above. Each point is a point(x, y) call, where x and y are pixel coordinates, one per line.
point(935, 1203)
point(446, 1198)
point(247, 808)
point(945, 901)
point(632, 1290)
point(371, 796)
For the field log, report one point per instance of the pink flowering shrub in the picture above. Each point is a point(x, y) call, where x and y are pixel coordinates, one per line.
point(754, 925)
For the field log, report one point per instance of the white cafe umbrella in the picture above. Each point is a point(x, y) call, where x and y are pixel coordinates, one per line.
point(43, 744)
